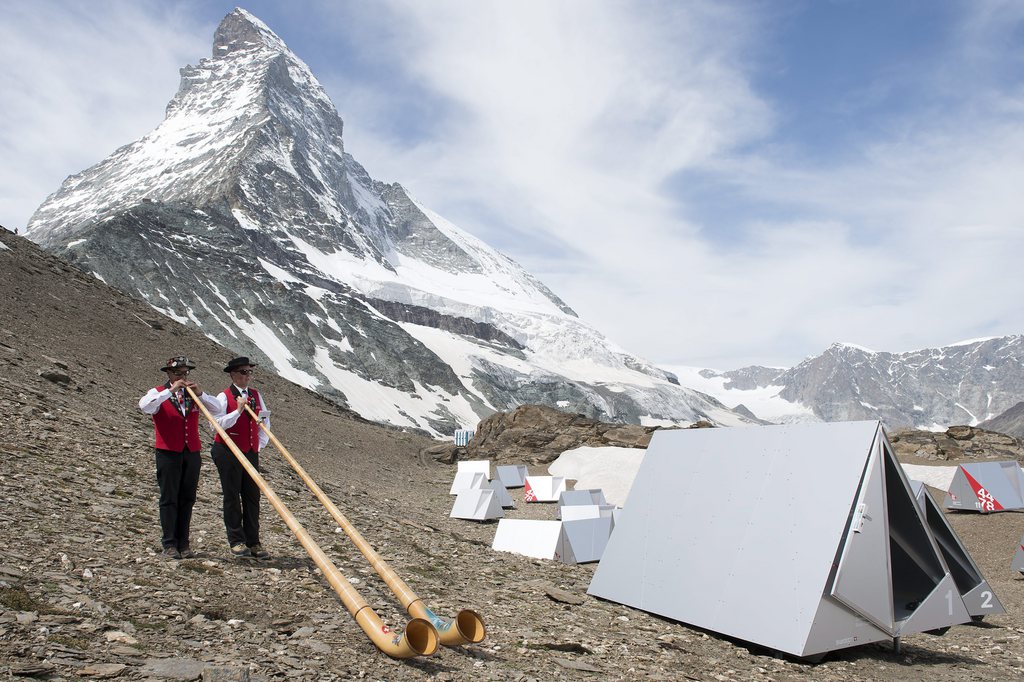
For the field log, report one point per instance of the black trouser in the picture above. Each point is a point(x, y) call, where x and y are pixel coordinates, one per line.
point(177, 474)
point(241, 496)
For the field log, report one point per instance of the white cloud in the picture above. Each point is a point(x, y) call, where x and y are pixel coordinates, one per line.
point(79, 80)
point(567, 120)
point(561, 133)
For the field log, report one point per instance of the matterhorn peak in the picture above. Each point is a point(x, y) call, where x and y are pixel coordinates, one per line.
point(351, 287)
point(240, 30)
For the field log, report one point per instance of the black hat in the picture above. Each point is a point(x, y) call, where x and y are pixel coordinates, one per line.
point(235, 363)
point(178, 362)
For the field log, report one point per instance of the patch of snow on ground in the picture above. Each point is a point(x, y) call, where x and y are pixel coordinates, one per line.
point(937, 477)
point(610, 469)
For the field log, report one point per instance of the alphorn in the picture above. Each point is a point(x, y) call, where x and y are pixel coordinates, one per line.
point(419, 638)
point(465, 628)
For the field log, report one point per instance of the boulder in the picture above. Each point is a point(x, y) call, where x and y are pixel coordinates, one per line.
point(957, 443)
point(537, 434)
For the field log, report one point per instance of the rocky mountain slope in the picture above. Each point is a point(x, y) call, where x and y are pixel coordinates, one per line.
point(243, 215)
point(1010, 422)
point(83, 594)
point(963, 383)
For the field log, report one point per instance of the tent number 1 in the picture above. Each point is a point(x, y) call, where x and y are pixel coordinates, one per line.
point(949, 599)
point(987, 596)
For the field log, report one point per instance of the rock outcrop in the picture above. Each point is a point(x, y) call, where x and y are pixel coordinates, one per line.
point(537, 434)
point(956, 444)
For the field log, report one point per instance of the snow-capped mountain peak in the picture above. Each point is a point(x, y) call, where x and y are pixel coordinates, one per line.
point(242, 214)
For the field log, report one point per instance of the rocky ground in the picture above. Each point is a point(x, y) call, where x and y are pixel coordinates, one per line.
point(84, 594)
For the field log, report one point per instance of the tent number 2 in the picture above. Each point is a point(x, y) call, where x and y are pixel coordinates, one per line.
point(987, 596)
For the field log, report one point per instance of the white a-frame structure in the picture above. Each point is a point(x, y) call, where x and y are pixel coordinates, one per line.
point(978, 596)
point(852, 559)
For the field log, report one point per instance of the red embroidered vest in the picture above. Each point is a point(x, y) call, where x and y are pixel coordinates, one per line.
point(173, 431)
point(246, 431)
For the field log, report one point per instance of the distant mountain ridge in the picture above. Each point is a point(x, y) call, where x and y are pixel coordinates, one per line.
point(1010, 422)
point(932, 388)
point(242, 214)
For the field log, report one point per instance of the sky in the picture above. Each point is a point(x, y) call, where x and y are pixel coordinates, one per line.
point(708, 183)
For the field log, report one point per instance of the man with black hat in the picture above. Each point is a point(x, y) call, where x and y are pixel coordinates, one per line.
point(178, 458)
point(241, 494)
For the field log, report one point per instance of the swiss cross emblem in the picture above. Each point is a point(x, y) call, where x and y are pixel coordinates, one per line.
point(529, 495)
point(385, 629)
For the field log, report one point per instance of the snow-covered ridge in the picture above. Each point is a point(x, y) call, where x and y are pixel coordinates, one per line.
point(931, 388)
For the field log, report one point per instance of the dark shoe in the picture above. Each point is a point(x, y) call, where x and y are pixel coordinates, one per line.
point(171, 553)
point(240, 550)
point(187, 553)
point(258, 551)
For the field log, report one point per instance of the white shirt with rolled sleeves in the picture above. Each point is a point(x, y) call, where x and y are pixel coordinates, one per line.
point(150, 403)
point(227, 419)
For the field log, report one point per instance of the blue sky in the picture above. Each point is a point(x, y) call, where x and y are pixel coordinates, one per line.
point(708, 183)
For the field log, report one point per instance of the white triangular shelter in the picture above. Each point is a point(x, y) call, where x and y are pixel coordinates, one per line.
point(978, 596)
point(587, 538)
point(586, 498)
point(481, 465)
point(852, 559)
point(538, 539)
point(512, 476)
point(543, 488)
point(576, 512)
point(986, 487)
point(570, 497)
point(1018, 557)
point(501, 494)
point(477, 505)
point(467, 480)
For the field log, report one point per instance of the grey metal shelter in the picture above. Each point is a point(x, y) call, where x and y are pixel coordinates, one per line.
point(587, 538)
point(804, 538)
point(585, 497)
point(1018, 557)
point(978, 596)
point(986, 487)
point(512, 476)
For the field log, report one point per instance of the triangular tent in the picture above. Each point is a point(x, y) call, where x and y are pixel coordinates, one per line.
point(853, 559)
point(539, 539)
point(512, 476)
point(481, 465)
point(467, 480)
point(501, 494)
point(543, 488)
point(587, 499)
point(1018, 557)
point(586, 511)
point(477, 505)
point(587, 538)
point(978, 596)
point(986, 487)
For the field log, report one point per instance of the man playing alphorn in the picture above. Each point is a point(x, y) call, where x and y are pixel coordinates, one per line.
point(178, 458)
point(241, 494)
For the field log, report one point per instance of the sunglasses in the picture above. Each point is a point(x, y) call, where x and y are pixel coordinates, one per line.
point(245, 372)
point(180, 372)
